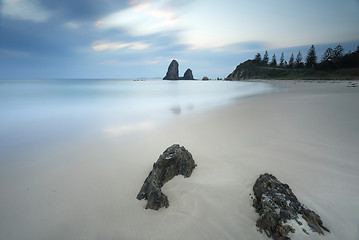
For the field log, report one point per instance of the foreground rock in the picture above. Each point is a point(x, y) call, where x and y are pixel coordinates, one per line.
point(279, 209)
point(174, 161)
point(172, 72)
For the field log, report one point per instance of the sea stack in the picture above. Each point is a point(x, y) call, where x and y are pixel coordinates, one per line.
point(172, 72)
point(188, 75)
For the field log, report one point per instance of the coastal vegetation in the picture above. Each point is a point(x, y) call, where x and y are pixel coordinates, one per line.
point(334, 64)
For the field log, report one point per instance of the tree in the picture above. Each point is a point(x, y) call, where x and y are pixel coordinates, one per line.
point(311, 60)
point(328, 56)
point(265, 59)
point(338, 54)
point(350, 60)
point(258, 58)
point(281, 63)
point(298, 60)
point(327, 60)
point(291, 61)
point(274, 61)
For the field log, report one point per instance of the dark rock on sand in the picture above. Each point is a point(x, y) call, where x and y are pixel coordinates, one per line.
point(172, 72)
point(174, 161)
point(276, 204)
point(188, 75)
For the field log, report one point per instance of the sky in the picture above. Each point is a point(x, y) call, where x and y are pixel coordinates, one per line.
point(139, 38)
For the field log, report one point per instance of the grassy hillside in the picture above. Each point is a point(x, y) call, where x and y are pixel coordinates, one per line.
point(251, 70)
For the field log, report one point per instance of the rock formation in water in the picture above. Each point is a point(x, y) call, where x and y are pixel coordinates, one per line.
point(277, 207)
point(174, 161)
point(188, 75)
point(172, 72)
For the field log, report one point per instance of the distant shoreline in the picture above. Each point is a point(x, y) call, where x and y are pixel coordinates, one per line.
point(248, 70)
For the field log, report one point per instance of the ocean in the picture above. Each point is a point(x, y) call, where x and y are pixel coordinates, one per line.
point(39, 113)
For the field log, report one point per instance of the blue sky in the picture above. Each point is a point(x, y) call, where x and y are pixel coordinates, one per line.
point(139, 38)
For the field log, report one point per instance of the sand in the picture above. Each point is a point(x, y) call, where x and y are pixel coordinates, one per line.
point(306, 134)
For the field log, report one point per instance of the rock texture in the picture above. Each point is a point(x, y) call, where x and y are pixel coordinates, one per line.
point(277, 206)
point(172, 72)
point(188, 75)
point(174, 161)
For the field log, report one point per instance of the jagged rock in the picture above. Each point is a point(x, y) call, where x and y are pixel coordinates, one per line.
point(205, 78)
point(276, 204)
point(174, 161)
point(188, 75)
point(172, 72)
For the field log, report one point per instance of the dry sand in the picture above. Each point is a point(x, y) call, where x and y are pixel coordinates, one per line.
point(307, 135)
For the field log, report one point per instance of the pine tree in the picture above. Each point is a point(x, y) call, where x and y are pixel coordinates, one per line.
point(311, 60)
point(265, 59)
point(274, 61)
point(281, 63)
point(298, 60)
point(291, 61)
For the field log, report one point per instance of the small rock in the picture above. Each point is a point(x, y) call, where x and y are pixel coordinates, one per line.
point(276, 204)
point(174, 161)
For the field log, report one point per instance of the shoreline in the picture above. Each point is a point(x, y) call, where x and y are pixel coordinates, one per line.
point(305, 134)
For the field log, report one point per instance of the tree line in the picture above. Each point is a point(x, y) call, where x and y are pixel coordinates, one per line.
point(331, 59)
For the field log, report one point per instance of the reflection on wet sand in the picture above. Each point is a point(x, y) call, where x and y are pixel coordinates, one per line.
point(176, 110)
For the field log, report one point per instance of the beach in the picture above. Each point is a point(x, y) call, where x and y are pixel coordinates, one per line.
point(306, 133)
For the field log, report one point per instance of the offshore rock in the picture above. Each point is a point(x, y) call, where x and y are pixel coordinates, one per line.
point(277, 206)
point(172, 72)
point(174, 161)
point(188, 75)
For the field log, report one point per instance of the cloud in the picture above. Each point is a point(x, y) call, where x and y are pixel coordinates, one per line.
point(30, 10)
point(133, 2)
point(185, 26)
point(143, 18)
point(113, 46)
point(152, 62)
point(157, 60)
point(73, 25)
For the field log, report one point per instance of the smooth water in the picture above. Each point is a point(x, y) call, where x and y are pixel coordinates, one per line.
point(36, 113)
